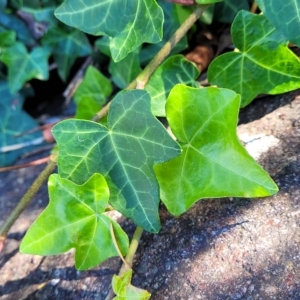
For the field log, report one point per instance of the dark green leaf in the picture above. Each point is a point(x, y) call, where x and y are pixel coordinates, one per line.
point(75, 218)
point(213, 162)
point(66, 47)
point(125, 291)
point(7, 38)
point(263, 64)
point(174, 70)
point(124, 152)
point(285, 16)
point(23, 66)
point(228, 9)
point(3, 4)
point(129, 23)
point(91, 94)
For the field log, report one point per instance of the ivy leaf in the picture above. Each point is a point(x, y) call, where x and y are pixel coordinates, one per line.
point(284, 15)
point(227, 10)
point(66, 47)
point(124, 152)
point(174, 70)
point(91, 94)
point(7, 38)
point(138, 21)
point(256, 69)
point(213, 162)
point(125, 291)
point(23, 66)
point(75, 218)
point(207, 1)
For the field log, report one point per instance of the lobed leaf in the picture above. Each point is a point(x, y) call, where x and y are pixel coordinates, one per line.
point(128, 23)
point(213, 162)
point(124, 152)
point(263, 65)
point(227, 10)
point(75, 218)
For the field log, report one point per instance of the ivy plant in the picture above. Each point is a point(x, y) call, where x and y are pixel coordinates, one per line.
point(115, 154)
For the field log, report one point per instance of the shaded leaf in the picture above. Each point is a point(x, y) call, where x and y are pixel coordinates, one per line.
point(91, 94)
point(124, 152)
point(213, 162)
point(263, 64)
point(228, 9)
point(23, 66)
point(207, 1)
point(284, 15)
point(174, 70)
point(125, 291)
point(66, 47)
point(75, 218)
point(137, 22)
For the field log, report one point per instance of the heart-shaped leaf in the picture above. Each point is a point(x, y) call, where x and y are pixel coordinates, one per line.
point(125, 291)
point(174, 70)
point(124, 152)
point(23, 66)
point(213, 162)
point(66, 47)
point(91, 94)
point(75, 218)
point(138, 21)
point(284, 15)
point(263, 64)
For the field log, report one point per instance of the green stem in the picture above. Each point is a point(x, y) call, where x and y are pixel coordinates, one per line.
point(31, 192)
point(141, 80)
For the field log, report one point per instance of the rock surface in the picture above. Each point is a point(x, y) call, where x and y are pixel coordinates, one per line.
point(219, 249)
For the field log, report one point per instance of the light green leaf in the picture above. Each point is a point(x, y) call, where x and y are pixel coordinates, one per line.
point(7, 38)
point(284, 15)
point(172, 21)
point(125, 291)
point(264, 64)
point(91, 94)
point(174, 70)
point(213, 162)
point(66, 47)
point(207, 1)
point(128, 23)
point(124, 152)
point(124, 71)
point(23, 66)
point(228, 9)
point(75, 218)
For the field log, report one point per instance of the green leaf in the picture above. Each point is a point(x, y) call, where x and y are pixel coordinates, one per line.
point(124, 71)
point(263, 65)
point(7, 38)
point(227, 10)
point(45, 14)
point(66, 47)
point(125, 291)
point(207, 1)
point(213, 162)
point(13, 122)
point(174, 70)
point(91, 94)
point(75, 218)
point(124, 152)
point(23, 66)
point(285, 16)
point(128, 23)
point(3, 4)
point(172, 21)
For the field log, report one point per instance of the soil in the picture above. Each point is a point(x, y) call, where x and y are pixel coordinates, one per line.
point(219, 249)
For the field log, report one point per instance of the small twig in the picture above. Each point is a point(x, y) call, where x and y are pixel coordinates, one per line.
point(14, 147)
point(31, 192)
point(142, 79)
point(254, 7)
point(26, 165)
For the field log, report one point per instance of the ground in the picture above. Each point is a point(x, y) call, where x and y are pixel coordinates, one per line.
point(219, 249)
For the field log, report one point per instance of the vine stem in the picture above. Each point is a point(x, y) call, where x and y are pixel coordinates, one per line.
point(141, 80)
point(31, 192)
point(129, 257)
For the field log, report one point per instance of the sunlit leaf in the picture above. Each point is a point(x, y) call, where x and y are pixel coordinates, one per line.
point(213, 162)
point(263, 64)
point(125, 291)
point(124, 152)
point(7, 38)
point(174, 70)
point(66, 47)
point(75, 218)
point(128, 23)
